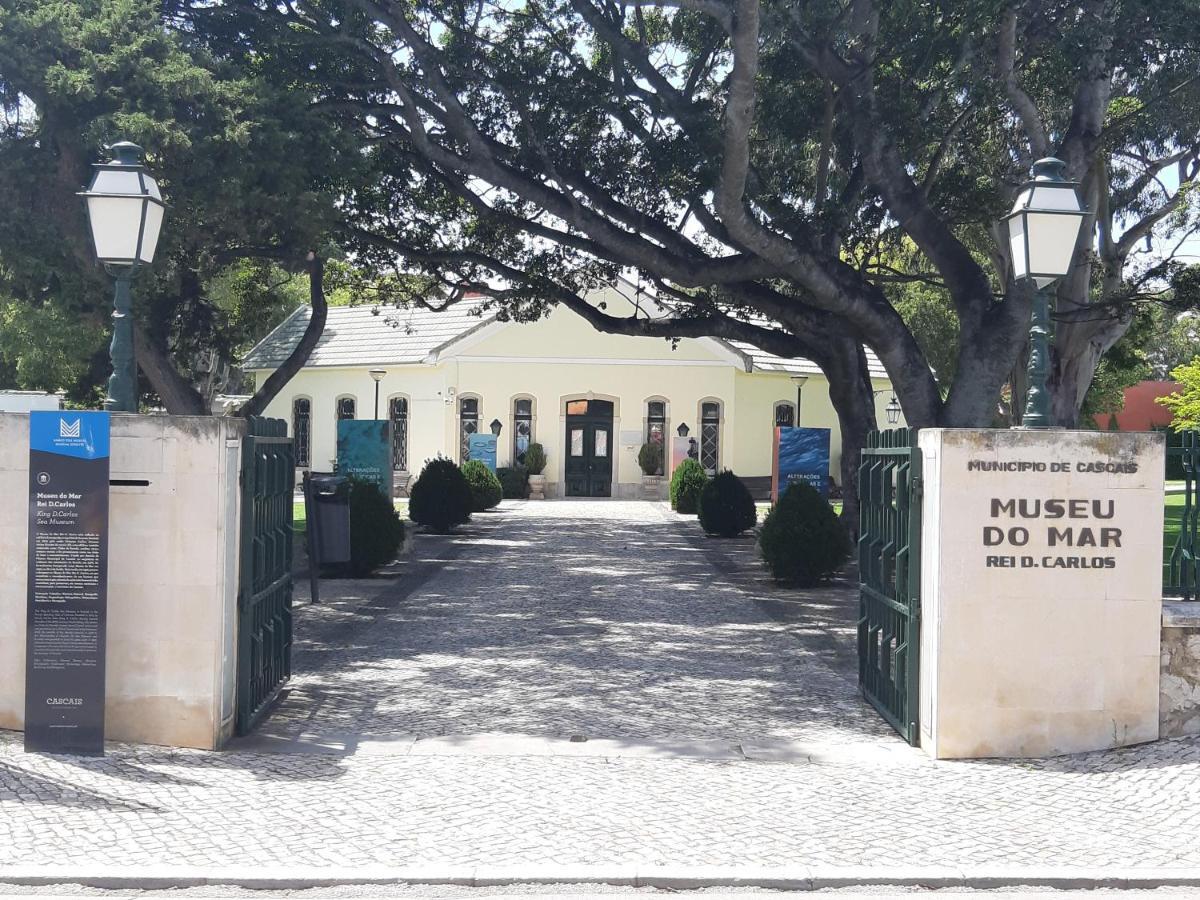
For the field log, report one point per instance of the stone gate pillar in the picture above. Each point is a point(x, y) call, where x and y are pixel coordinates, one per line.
point(1041, 591)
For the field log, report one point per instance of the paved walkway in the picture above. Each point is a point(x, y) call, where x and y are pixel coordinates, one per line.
point(572, 685)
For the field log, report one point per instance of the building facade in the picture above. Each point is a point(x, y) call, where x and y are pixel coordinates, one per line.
point(590, 399)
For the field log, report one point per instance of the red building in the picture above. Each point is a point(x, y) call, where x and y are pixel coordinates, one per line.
point(1141, 412)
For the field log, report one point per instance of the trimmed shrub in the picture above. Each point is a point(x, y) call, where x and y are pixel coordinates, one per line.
point(726, 507)
point(440, 499)
point(376, 531)
point(687, 482)
point(485, 487)
point(802, 540)
point(535, 459)
point(514, 482)
point(650, 459)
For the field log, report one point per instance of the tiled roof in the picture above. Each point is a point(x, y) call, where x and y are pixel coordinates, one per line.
point(365, 335)
point(769, 362)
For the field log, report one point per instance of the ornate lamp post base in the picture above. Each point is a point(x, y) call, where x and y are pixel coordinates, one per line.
point(1037, 402)
point(122, 384)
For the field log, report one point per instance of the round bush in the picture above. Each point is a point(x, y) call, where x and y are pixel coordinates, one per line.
point(687, 483)
point(376, 531)
point(726, 507)
point(650, 459)
point(535, 459)
point(486, 491)
point(802, 540)
point(514, 482)
point(440, 499)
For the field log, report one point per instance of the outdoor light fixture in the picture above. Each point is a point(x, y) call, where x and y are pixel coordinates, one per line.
point(377, 375)
point(125, 214)
point(892, 410)
point(496, 426)
point(1043, 229)
point(682, 430)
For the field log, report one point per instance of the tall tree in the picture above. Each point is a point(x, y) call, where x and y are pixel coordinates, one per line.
point(751, 159)
point(249, 170)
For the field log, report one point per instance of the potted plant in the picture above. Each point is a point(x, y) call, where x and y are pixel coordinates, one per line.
point(650, 460)
point(535, 462)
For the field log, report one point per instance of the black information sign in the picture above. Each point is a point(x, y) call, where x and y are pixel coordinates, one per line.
point(68, 582)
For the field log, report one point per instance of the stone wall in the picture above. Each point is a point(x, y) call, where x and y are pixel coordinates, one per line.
point(172, 593)
point(1179, 686)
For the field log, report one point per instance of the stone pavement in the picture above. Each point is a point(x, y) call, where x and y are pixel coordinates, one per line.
point(577, 689)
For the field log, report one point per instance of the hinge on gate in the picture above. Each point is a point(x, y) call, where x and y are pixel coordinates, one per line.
point(918, 485)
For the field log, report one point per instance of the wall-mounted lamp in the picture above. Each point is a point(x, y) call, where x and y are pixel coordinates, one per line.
point(892, 410)
point(496, 426)
point(682, 430)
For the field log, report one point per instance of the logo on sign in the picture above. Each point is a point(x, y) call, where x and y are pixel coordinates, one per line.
point(68, 429)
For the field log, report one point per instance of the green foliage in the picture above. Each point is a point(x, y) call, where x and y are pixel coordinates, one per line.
point(726, 507)
point(650, 459)
point(535, 459)
point(376, 531)
point(486, 490)
point(1184, 404)
point(802, 540)
point(929, 314)
point(687, 483)
point(514, 482)
point(440, 499)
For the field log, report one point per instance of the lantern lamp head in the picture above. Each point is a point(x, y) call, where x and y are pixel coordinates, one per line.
point(683, 430)
point(892, 410)
point(1044, 224)
point(496, 426)
point(124, 208)
point(377, 374)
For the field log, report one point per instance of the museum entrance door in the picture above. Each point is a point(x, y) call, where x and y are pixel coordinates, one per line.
point(589, 448)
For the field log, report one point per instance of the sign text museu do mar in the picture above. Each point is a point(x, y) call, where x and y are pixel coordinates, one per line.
point(1063, 532)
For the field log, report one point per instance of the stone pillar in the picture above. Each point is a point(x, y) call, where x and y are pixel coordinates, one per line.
point(1041, 591)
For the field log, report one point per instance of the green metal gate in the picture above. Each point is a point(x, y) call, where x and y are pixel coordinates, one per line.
point(889, 573)
point(265, 581)
point(1181, 556)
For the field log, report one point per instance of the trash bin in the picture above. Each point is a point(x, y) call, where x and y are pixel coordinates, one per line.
point(328, 503)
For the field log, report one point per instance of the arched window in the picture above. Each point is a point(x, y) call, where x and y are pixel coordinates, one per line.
point(522, 427)
point(656, 428)
point(468, 424)
point(398, 416)
point(710, 436)
point(302, 430)
point(785, 414)
point(347, 408)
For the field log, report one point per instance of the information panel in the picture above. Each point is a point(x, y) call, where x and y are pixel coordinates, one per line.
point(483, 448)
point(801, 454)
point(67, 598)
point(364, 451)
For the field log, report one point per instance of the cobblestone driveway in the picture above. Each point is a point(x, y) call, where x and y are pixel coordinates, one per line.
point(571, 619)
point(717, 736)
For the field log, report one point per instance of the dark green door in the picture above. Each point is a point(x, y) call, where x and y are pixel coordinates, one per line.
point(589, 448)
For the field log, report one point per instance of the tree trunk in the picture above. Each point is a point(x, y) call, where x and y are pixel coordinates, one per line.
point(299, 356)
point(178, 395)
point(853, 398)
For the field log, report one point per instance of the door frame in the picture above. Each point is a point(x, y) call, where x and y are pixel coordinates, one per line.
point(561, 465)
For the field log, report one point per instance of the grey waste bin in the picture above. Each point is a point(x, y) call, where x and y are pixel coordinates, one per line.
point(330, 505)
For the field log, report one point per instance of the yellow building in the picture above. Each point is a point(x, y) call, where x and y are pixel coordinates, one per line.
point(590, 399)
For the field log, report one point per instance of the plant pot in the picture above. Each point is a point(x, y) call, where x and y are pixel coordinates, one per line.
point(652, 487)
point(537, 487)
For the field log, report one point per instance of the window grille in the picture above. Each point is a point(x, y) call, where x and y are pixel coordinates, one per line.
point(302, 430)
point(785, 415)
point(656, 428)
point(522, 428)
point(347, 408)
point(468, 424)
point(398, 415)
point(710, 437)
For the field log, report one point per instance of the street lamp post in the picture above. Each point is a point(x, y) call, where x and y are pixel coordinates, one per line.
point(377, 375)
point(1043, 229)
point(125, 213)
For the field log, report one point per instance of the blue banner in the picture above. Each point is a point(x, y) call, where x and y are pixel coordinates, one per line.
point(801, 454)
point(83, 435)
point(483, 448)
point(364, 451)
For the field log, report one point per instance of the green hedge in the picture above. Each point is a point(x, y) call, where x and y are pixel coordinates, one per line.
point(485, 486)
point(376, 531)
point(440, 499)
point(687, 483)
point(802, 540)
point(726, 507)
